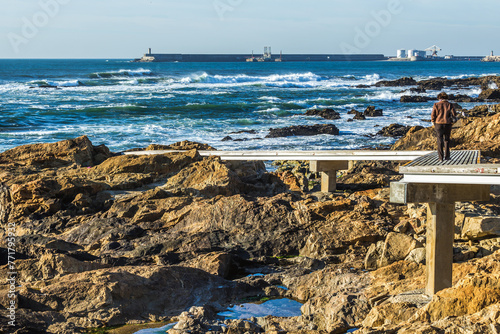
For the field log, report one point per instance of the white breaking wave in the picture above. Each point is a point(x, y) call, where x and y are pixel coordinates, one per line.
point(270, 98)
point(291, 80)
point(268, 111)
point(244, 78)
point(68, 83)
point(121, 73)
point(384, 96)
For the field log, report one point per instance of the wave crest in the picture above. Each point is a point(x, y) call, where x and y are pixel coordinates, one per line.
point(121, 73)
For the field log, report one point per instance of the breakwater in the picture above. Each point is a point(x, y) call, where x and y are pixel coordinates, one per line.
point(178, 57)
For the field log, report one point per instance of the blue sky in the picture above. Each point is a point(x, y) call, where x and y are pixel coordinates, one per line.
point(126, 28)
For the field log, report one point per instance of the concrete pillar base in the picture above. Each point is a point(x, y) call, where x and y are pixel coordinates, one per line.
point(441, 200)
point(439, 247)
point(328, 170)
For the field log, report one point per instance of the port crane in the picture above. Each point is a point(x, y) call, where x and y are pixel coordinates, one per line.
point(434, 49)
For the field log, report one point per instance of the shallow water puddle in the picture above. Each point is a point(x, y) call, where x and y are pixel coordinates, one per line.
point(160, 330)
point(276, 307)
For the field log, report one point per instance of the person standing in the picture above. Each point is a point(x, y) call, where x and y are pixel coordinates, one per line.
point(442, 116)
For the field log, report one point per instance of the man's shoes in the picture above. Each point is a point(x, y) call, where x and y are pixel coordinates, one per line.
point(447, 158)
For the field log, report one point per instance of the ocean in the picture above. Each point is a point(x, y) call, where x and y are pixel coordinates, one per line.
point(128, 105)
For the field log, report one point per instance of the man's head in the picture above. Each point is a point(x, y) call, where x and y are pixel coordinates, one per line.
point(443, 96)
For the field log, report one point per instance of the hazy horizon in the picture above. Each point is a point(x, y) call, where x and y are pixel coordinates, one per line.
point(67, 29)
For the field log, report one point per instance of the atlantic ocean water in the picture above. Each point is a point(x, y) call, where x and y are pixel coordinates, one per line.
point(128, 105)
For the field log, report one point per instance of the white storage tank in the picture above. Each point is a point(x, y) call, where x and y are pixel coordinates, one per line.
point(410, 53)
point(401, 53)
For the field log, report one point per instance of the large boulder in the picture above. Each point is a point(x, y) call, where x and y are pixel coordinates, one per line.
point(359, 116)
point(483, 110)
point(396, 130)
point(335, 302)
point(490, 94)
point(304, 130)
point(414, 98)
point(371, 111)
point(209, 177)
point(326, 113)
point(479, 227)
point(397, 246)
point(78, 151)
point(406, 81)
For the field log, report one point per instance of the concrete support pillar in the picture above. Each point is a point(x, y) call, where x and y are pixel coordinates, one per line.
point(328, 171)
point(441, 200)
point(329, 181)
point(439, 247)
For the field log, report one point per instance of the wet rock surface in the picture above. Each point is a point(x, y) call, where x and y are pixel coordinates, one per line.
point(406, 81)
point(414, 98)
point(395, 130)
point(326, 113)
point(104, 239)
point(371, 111)
point(304, 130)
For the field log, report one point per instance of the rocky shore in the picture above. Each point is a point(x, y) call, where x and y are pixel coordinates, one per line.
point(104, 239)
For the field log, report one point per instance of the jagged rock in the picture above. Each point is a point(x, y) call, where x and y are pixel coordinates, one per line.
point(490, 94)
point(397, 246)
point(217, 263)
point(326, 113)
point(417, 255)
point(418, 139)
point(368, 175)
point(56, 265)
point(396, 130)
point(414, 98)
point(104, 295)
point(373, 255)
point(209, 177)
point(359, 116)
point(185, 145)
point(372, 112)
point(353, 112)
point(406, 81)
point(417, 90)
point(461, 98)
point(483, 111)
point(480, 227)
point(64, 153)
point(439, 83)
point(304, 130)
point(293, 181)
point(334, 302)
point(389, 314)
point(469, 295)
point(252, 132)
point(5, 204)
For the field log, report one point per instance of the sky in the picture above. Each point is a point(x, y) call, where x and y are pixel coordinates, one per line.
point(127, 28)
